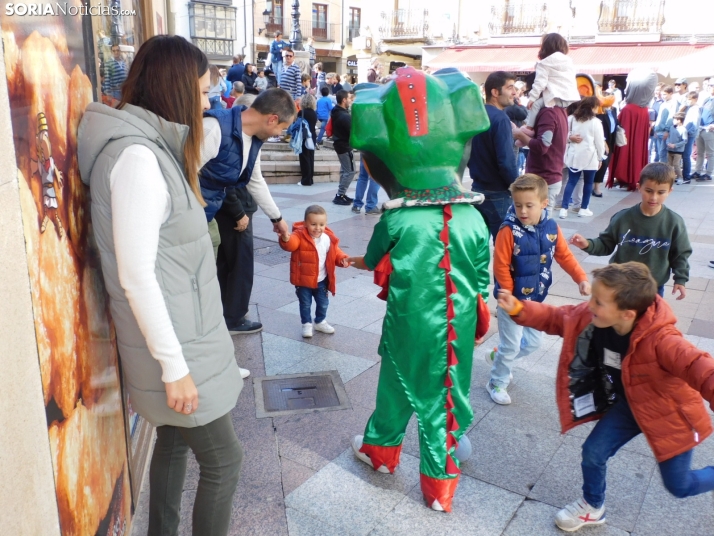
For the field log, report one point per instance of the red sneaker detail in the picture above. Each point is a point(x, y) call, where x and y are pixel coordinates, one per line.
point(441, 490)
point(387, 456)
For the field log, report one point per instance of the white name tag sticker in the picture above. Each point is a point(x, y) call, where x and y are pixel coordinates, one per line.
point(584, 405)
point(612, 359)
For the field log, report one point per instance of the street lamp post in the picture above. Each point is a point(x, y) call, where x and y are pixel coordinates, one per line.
point(295, 33)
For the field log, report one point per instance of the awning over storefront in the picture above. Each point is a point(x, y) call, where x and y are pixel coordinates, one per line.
point(592, 59)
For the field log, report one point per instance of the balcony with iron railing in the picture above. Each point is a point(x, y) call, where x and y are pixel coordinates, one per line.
point(404, 24)
point(514, 18)
point(319, 31)
point(351, 33)
point(644, 16)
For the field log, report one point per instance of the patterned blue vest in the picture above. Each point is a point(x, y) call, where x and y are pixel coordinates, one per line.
point(533, 250)
point(225, 169)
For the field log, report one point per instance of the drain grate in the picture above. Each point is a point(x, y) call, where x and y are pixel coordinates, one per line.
point(299, 393)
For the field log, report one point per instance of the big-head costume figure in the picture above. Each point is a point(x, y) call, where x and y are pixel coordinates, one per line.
point(430, 253)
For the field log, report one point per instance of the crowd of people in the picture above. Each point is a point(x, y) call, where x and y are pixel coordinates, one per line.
point(175, 183)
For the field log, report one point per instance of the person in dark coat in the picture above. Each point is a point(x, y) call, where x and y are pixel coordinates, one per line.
point(608, 117)
point(234, 265)
point(249, 78)
point(307, 156)
point(237, 70)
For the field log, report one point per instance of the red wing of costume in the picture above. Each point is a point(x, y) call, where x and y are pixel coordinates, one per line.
point(430, 253)
point(628, 161)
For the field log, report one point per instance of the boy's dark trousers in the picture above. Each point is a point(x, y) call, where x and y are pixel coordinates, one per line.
point(234, 267)
point(305, 296)
point(616, 429)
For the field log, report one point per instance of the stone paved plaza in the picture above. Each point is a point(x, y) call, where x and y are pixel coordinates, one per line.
point(300, 476)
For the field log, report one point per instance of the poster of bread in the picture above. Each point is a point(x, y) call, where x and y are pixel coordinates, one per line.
point(49, 88)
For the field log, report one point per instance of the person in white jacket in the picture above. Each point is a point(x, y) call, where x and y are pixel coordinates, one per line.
point(554, 83)
point(585, 157)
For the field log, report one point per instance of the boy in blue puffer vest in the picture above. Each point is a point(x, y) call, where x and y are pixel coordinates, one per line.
point(526, 245)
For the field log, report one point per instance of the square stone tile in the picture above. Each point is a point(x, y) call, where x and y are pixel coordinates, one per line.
point(281, 353)
point(359, 313)
point(346, 340)
point(511, 454)
point(351, 496)
point(535, 518)
point(359, 286)
point(375, 328)
point(300, 524)
point(348, 366)
point(315, 439)
point(362, 390)
point(293, 474)
point(281, 272)
point(628, 477)
point(701, 328)
point(479, 509)
point(533, 398)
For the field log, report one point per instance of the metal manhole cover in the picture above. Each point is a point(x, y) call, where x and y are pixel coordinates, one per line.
point(299, 393)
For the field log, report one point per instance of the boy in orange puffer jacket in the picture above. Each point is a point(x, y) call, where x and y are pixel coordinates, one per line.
point(315, 253)
point(625, 363)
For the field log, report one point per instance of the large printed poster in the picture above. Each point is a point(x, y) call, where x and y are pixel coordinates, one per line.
point(49, 89)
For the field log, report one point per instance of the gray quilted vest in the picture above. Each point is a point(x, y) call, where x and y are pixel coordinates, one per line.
point(185, 269)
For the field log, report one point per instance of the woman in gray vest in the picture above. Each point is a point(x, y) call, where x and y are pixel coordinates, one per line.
point(141, 162)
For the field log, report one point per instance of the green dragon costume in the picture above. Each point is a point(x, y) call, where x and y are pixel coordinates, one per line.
point(430, 253)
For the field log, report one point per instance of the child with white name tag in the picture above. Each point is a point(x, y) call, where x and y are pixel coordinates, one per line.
point(625, 364)
point(648, 232)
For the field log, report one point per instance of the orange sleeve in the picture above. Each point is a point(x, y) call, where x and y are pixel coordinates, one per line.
point(291, 245)
point(567, 260)
point(502, 255)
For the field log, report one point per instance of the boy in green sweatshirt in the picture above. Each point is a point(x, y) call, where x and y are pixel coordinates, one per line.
point(648, 232)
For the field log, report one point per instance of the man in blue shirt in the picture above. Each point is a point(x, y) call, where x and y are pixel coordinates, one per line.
point(705, 139)
point(276, 54)
point(492, 164)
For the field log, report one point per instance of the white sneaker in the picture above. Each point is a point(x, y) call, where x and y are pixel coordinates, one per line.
point(356, 445)
point(563, 213)
point(585, 212)
point(244, 373)
point(324, 327)
point(498, 394)
point(578, 514)
point(307, 330)
point(491, 357)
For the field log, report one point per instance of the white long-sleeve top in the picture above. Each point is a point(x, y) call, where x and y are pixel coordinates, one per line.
point(587, 154)
point(140, 205)
point(555, 79)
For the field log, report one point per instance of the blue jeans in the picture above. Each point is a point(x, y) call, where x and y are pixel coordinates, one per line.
point(494, 209)
point(573, 178)
point(687, 158)
point(277, 67)
point(515, 342)
point(613, 431)
point(323, 126)
point(365, 182)
point(305, 296)
point(660, 291)
point(215, 103)
point(660, 147)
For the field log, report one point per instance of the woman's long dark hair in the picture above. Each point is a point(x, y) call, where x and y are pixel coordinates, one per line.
point(163, 79)
point(585, 110)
